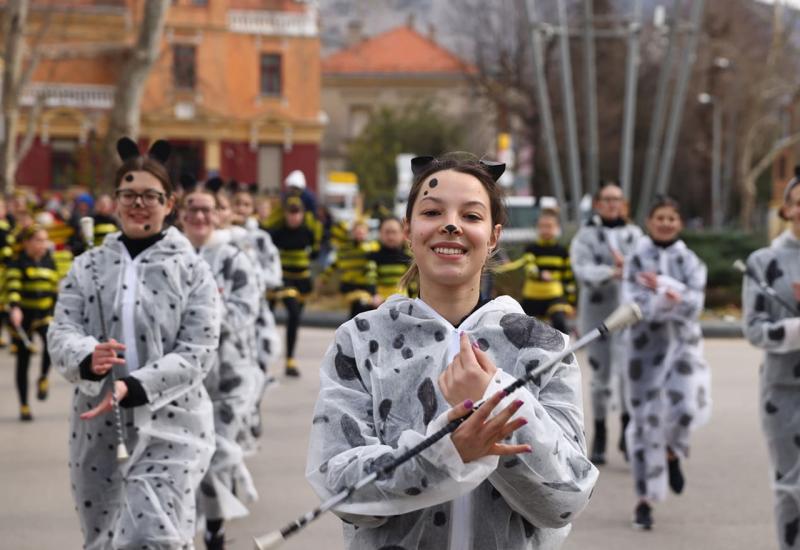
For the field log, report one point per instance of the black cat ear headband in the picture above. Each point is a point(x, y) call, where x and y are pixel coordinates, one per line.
point(128, 149)
point(421, 164)
point(234, 186)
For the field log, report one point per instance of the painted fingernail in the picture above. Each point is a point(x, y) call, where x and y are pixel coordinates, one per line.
point(518, 403)
point(502, 393)
point(523, 421)
point(529, 450)
point(468, 404)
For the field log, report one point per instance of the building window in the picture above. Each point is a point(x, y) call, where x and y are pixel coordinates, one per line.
point(64, 163)
point(183, 66)
point(271, 74)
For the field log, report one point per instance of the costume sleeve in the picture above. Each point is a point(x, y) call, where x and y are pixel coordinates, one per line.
point(13, 284)
point(516, 264)
point(551, 485)
point(570, 289)
point(654, 304)
point(171, 376)
point(67, 341)
point(270, 260)
point(761, 327)
point(240, 304)
point(345, 447)
point(584, 267)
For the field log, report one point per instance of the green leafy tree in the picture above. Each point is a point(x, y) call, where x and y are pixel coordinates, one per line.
point(415, 128)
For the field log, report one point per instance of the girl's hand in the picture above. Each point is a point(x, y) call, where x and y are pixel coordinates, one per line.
point(121, 389)
point(468, 375)
point(673, 296)
point(648, 279)
point(15, 316)
point(479, 436)
point(105, 357)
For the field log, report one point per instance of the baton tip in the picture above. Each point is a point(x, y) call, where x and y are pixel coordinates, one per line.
point(122, 453)
point(270, 540)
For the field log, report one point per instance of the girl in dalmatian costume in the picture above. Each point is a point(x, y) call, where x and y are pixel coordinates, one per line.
point(515, 474)
point(668, 383)
point(235, 375)
point(775, 329)
point(597, 255)
point(161, 307)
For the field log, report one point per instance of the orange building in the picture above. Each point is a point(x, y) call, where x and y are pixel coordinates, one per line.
point(235, 89)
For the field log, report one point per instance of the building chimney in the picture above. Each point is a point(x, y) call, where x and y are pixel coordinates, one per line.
point(354, 32)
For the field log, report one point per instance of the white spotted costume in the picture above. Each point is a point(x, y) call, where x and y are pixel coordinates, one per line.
point(379, 395)
point(668, 382)
point(234, 383)
point(599, 294)
point(771, 327)
point(164, 306)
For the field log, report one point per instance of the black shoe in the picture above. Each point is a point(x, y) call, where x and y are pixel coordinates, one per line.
point(676, 480)
point(623, 445)
point(215, 541)
point(291, 368)
point(643, 517)
point(25, 413)
point(598, 457)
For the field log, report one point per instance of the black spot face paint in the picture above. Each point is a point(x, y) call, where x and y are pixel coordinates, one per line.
point(129, 177)
point(425, 193)
point(433, 183)
point(450, 228)
point(147, 227)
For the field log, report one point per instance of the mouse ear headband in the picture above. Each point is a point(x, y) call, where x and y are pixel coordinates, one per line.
point(420, 165)
point(127, 150)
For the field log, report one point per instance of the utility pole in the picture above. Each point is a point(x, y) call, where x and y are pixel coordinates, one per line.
point(573, 154)
point(543, 101)
point(593, 146)
point(659, 113)
point(631, 75)
point(662, 183)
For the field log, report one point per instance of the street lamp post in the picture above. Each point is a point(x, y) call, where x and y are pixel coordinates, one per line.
point(716, 158)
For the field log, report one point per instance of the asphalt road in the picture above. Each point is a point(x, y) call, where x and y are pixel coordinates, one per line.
point(726, 505)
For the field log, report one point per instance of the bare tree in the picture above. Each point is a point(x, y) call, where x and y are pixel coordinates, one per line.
point(125, 114)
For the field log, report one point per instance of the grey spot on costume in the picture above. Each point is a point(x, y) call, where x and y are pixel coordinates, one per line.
point(351, 432)
point(770, 408)
point(439, 518)
point(796, 371)
point(653, 421)
point(345, 365)
point(362, 324)
point(655, 472)
point(773, 272)
point(208, 490)
point(367, 364)
point(675, 397)
point(658, 359)
point(594, 363)
point(640, 341)
point(797, 440)
point(527, 332)
point(227, 264)
point(407, 353)
point(413, 491)
point(777, 334)
point(655, 326)
point(685, 420)
point(226, 413)
point(399, 341)
point(239, 280)
point(427, 397)
point(528, 526)
point(683, 367)
point(384, 408)
point(483, 344)
point(511, 462)
point(438, 335)
point(596, 298)
point(394, 313)
point(635, 369)
point(791, 530)
point(373, 346)
point(761, 303)
point(392, 547)
point(228, 384)
point(378, 464)
point(320, 419)
point(636, 262)
point(641, 486)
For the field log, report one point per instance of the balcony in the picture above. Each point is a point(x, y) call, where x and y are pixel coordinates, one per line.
point(76, 96)
point(274, 23)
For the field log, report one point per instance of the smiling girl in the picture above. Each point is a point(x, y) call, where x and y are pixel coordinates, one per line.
point(146, 294)
point(514, 474)
point(668, 383)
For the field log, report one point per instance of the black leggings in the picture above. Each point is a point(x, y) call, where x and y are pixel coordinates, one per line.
point(24, 359)
point(294, 314)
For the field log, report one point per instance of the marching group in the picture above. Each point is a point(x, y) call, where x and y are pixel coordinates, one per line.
point(162, 320)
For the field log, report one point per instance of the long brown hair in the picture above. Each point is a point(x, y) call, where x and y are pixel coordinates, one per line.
point(465, 163)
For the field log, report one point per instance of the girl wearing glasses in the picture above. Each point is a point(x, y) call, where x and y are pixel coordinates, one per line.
point(512, 476)
point(597, 254)
point(143, 305)
point(235, 376)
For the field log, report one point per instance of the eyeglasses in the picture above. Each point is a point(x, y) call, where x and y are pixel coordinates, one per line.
point(150, 198)
point(610, 199)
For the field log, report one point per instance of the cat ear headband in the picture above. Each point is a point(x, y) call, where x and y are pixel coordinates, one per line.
point(421, 164)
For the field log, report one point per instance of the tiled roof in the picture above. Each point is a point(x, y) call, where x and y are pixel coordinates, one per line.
point(399, 50)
